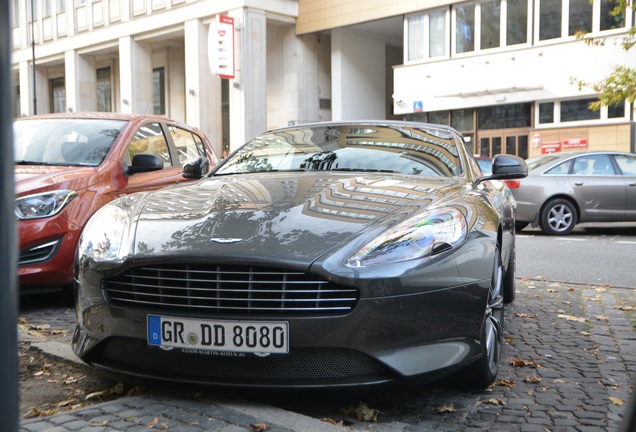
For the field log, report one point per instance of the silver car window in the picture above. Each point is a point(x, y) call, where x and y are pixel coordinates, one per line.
point(627, 164)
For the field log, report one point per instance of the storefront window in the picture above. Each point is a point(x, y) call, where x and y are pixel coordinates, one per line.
point(504, 116)
point(580, 17)
point(517, 22)
point(577, 110)
point(159, 91)
point(104, 90)
point(439, 117)
point(549, 19)
point(465, 28)
point(57, 95)
point(490, 24)
point(463, 119)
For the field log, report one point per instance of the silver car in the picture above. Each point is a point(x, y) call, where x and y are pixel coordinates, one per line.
point(565, 189)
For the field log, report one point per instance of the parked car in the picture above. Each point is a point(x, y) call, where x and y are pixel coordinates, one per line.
point(328, 254)
point(67, 166)
point(485, 164)
point(564, 189)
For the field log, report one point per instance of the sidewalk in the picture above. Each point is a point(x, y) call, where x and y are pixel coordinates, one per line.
point(568, 365)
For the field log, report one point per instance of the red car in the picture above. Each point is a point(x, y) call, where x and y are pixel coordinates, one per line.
point(69, 165)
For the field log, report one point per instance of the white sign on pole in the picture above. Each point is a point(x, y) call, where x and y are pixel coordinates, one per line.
point(221, 47)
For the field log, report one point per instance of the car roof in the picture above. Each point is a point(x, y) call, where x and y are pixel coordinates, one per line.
point(386, 123)
point(95, 115)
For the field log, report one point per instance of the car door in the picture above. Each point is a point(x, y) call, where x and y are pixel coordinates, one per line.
point(152, 138)
point(599, 190)
point(627, 167)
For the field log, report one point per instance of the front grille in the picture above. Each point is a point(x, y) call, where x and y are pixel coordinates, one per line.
point(229, 290)
point(301, 364)
point(39, 254)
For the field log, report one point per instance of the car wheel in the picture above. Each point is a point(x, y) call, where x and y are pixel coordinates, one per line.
point(519, 226)
point(558, 217)
point(509, 288)
point(483, 372)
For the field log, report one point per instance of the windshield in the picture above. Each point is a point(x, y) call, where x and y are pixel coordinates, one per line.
point(368, 148)
point(83, 142)
point(539, 161)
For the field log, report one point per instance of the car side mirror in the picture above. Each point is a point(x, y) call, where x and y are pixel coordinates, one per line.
point(506, 167)
point(145, 162)
point(196, 168)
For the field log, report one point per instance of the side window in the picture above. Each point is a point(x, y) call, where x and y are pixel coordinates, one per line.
point(562, 168)
point(582, 166)
point(602, 166)
point(627, 164)
point(189, 145)
point(149, 138)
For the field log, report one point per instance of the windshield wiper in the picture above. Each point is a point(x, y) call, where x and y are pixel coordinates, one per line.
point(28, 162)
point(264, 171)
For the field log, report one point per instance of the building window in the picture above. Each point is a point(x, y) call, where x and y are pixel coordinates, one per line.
point(159, 90)
point(517, 22)
point(463, 119)
point(490, 24)
point(578, 110)
point(465, 29)
point(546, 112)
point(438, 23)
point(47, 8)
point(104, 90)
point(609, 22)
point(57, 95)
point(616, 111)
point(415, 25)
point(549, 19)
point(439, 117)
point(61, 6)
point(580, 19)
point(15, 13)
point(504, 116)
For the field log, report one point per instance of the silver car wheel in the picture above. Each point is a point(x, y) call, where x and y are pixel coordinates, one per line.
point(494, 321)
point(558, 217)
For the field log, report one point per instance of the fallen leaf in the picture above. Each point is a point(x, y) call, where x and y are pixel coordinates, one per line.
point(153, 422)
point(532, 379)
point(572, 318)
point(525, 315)
point(332, 421)
point(506, 383)
point(104, 423)
point(65, 403)
point(494, 401)
point(364, 413)
point(602, 318)
point(625, 308)
point(259, 427)
point(616, 401)
point(444, 409)
point(116, 389)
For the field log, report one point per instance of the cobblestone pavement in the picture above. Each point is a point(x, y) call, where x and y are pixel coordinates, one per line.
point(569, 364)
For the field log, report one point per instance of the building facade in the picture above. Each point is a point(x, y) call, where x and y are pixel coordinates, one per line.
point(500, 71)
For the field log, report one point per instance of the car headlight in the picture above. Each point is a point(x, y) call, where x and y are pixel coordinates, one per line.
point(44, 204)
point(417, 237)
point(105, 237)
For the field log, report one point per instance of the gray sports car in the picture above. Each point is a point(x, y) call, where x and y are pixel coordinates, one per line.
point(328, 254)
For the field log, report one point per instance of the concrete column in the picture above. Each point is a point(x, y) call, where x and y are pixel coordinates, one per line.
point(203, 90)
point(248, 89)
point(358, 78)
point(81, 82)
point(135, 71)
point(26, 89)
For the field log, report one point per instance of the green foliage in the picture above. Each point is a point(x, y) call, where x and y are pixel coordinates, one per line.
point(620, 85)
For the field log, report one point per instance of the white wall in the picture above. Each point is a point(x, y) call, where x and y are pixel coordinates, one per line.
point(358, 76)
point(526, 75)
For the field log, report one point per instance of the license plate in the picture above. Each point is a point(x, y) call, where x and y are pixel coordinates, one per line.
point(230, 336)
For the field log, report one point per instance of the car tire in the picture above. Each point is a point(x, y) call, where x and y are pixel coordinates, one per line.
point(558, 217)
point(519, 226)
point(509, 287)
point(483, 372)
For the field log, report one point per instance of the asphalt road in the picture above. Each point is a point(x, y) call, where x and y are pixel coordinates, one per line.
point(597, 254)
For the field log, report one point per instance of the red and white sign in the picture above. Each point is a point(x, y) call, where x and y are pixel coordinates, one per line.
point(536, 140)
point(575, 144)
point(221, 47)
point(550, 147)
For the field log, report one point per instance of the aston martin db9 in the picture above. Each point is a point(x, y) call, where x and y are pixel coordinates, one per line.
point(321, 255)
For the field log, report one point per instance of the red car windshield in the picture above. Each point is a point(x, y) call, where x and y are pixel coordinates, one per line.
point(81, 142)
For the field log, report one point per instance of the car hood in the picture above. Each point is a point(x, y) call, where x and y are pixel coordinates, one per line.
point(288, 217)
point(40, 178)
